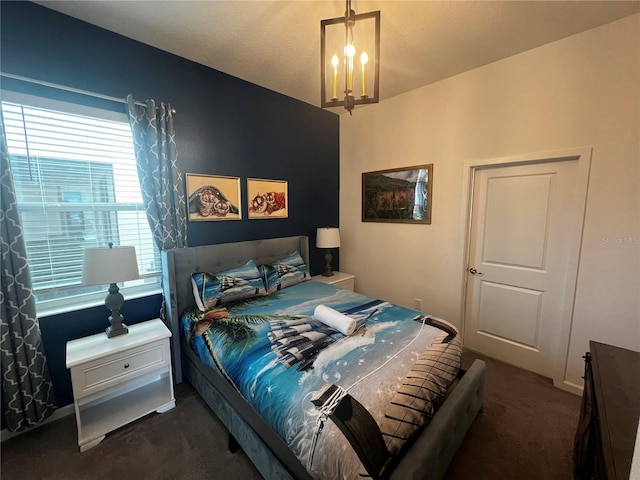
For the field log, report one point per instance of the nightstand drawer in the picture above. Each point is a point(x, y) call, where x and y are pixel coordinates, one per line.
point(119, 367)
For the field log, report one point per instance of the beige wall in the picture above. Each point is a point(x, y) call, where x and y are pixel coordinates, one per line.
point(583, 91)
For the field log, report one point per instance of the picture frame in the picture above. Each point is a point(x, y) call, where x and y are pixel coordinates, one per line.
point(267, 198)
point(390, 195)
point(213, 198)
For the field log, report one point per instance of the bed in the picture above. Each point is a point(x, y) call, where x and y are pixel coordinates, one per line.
point(426, 456)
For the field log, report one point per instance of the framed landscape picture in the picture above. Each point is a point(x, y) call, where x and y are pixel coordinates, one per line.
point(398, 195)
point(267, 198)
point(213, 197)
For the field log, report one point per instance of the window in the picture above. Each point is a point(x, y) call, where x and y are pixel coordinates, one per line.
point(77, 186)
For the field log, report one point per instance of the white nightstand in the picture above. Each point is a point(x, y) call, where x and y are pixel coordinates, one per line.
point(339, 279)
point(120, 379)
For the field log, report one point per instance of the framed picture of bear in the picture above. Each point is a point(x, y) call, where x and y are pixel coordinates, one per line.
point(267, 198)
point(213, 197)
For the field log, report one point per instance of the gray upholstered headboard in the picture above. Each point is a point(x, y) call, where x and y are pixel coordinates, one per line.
point(178, 265)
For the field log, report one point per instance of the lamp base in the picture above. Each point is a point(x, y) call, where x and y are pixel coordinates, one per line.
point(327, 267)
point(115, 330)
point(114, 302)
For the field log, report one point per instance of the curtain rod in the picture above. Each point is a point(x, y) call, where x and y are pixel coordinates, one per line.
point(71, 89)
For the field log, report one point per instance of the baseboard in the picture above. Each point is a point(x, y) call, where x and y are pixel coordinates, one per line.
point(569, 387)
point(561, 384)
point(57, 415)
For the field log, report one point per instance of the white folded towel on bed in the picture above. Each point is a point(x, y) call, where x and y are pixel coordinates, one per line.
point(334, 319)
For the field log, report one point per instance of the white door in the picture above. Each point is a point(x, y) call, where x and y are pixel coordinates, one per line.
point(520, 250)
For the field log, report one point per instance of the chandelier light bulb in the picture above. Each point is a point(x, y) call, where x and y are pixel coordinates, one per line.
point(334, 61)
point(350, 50)
point(364, 58)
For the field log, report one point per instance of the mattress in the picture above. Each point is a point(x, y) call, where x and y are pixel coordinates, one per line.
point(279, 357)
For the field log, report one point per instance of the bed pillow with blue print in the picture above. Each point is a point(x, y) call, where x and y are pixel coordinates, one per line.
point(284, 273)
point(213, 289)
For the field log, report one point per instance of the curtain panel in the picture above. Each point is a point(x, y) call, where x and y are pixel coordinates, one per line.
point(161, 182)
point(27, 391)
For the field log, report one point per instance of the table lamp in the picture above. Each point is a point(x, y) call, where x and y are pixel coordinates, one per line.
point(328, 238)
point(111, 265)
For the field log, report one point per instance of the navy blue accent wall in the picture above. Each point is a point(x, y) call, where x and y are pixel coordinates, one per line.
point(224, 126)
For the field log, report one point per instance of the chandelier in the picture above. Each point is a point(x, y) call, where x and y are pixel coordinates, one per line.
point(350, 59)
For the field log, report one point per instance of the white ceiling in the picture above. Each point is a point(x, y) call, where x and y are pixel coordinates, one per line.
point(276, 44)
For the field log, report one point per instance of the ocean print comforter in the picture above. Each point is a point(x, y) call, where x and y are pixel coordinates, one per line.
point(278, 357)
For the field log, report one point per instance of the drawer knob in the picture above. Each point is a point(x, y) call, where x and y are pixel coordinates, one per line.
point(126, 365)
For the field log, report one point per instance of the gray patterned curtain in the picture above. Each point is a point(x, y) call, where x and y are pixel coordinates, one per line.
point(161, 182)
point(27, 392)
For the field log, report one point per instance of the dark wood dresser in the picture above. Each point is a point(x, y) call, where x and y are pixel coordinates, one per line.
point(609, 415)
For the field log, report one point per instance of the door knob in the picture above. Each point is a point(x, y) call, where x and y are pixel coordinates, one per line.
point(473, 271)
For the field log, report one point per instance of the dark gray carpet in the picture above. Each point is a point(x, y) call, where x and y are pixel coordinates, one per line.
point(525, 429)
point(524, 432)
point(187, 442)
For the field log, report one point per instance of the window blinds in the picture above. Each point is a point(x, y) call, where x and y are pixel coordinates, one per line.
point(77, 186)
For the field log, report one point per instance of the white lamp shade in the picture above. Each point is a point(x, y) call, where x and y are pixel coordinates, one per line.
point(109, 265)
point(327, 237)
